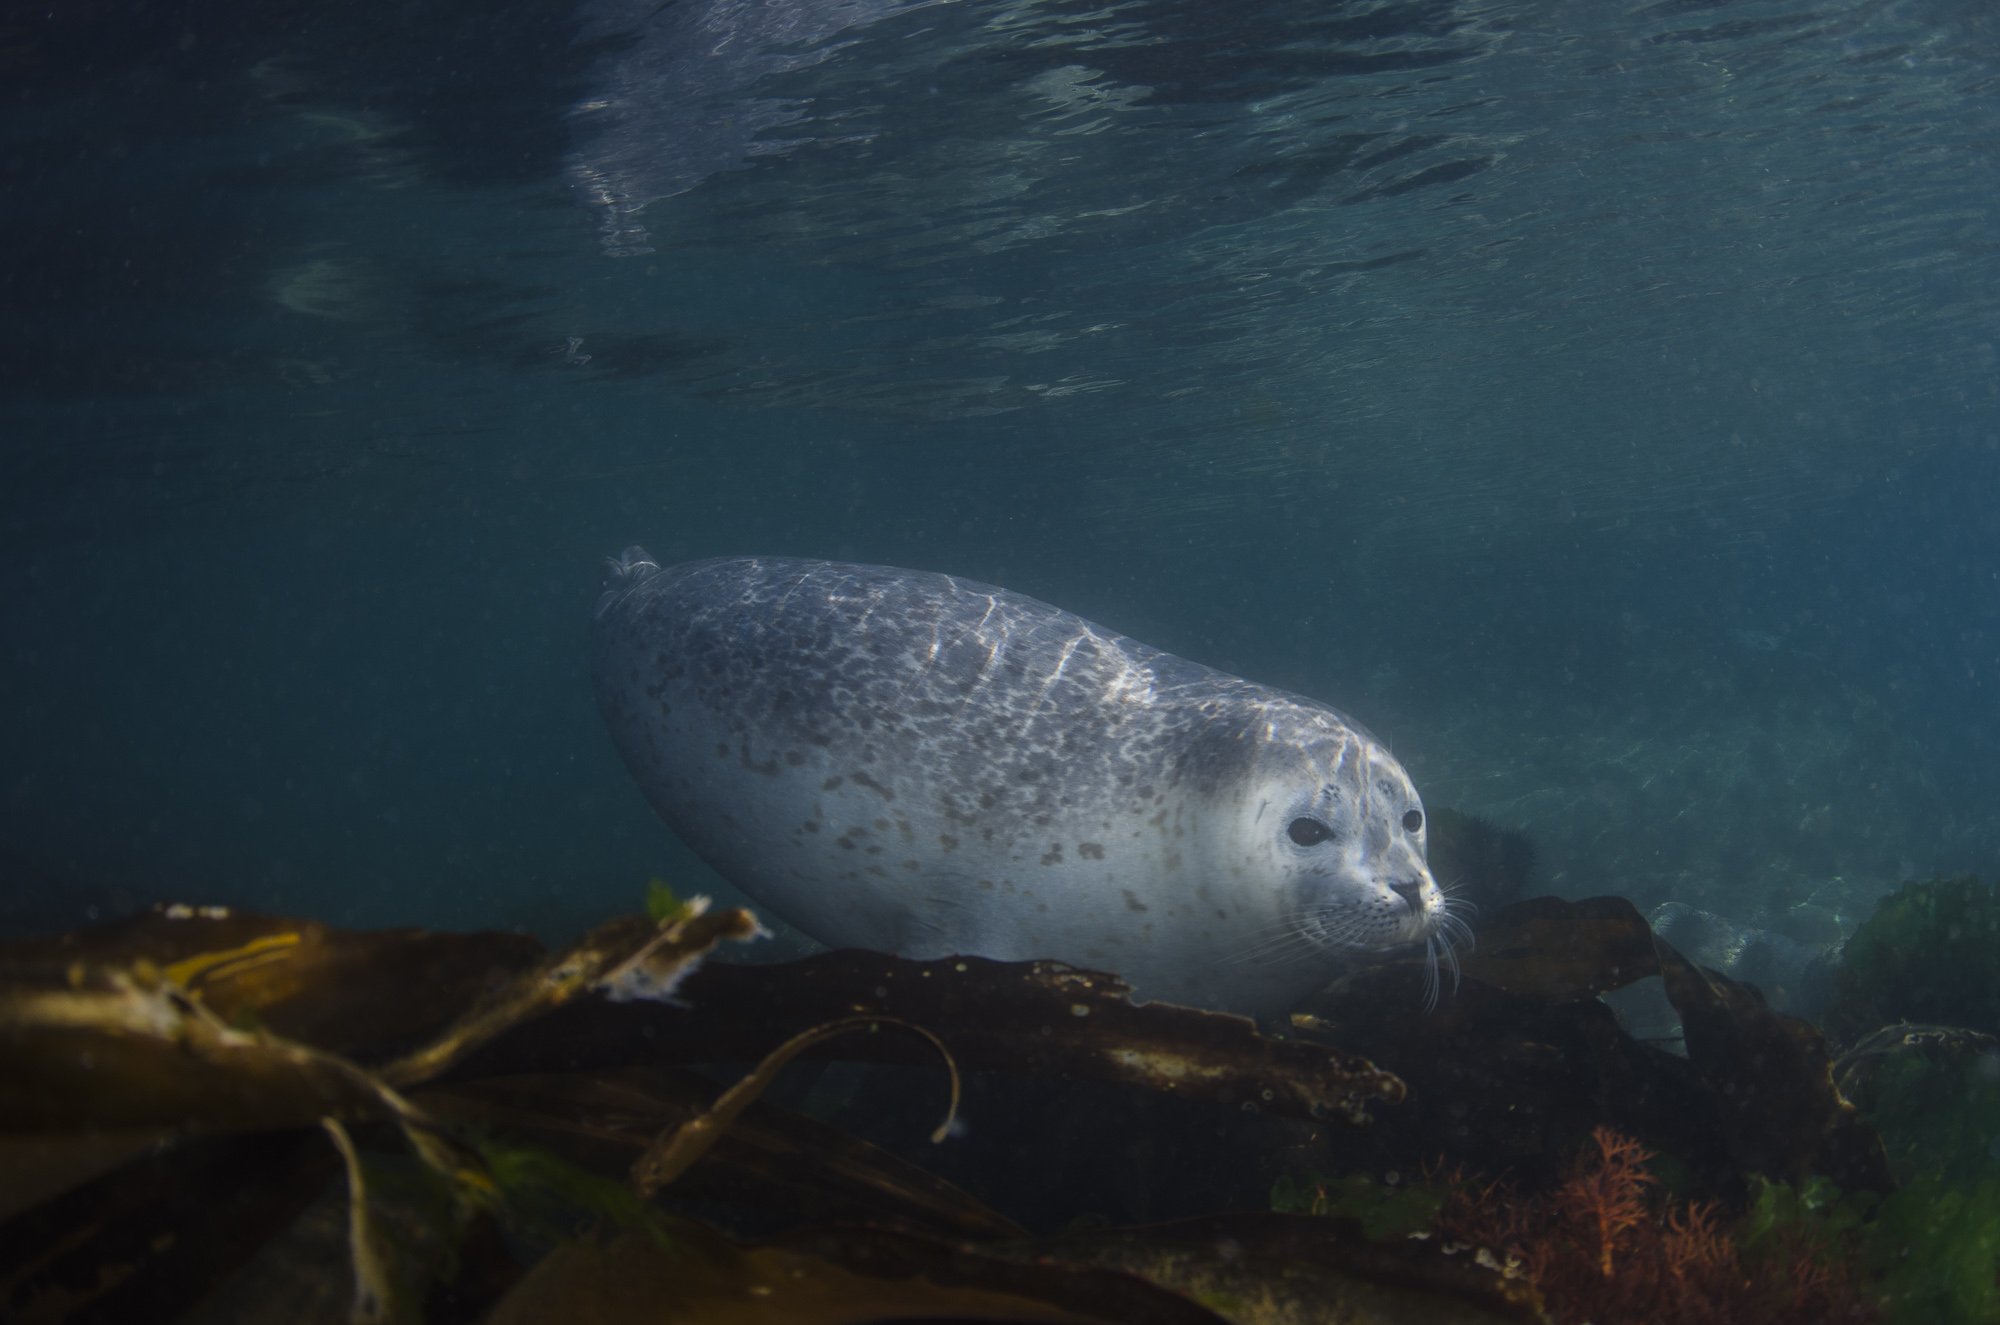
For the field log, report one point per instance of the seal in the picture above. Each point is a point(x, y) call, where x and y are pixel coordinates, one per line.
point(919, 764)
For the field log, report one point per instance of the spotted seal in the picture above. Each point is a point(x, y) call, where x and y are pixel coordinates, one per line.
point(915, 763)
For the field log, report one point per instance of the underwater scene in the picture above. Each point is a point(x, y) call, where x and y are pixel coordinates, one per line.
point(722, 661)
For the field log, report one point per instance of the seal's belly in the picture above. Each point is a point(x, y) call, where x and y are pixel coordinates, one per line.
point(859, 853)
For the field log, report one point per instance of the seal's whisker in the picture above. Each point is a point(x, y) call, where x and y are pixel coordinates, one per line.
point(1439, 952)
point(1283, 944)
point(1454, 892)
point(1346, 930)
point(1455, 931)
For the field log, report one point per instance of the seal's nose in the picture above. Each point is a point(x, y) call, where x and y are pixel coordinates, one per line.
point(1412, 893)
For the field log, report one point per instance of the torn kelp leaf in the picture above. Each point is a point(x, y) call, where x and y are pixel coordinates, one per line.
point(363, 994)
point(634, 957)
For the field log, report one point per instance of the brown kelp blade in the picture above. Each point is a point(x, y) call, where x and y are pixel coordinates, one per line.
point(1772, 1080)
point(1525, 1060)
point(95, 1034)
point(1502, 1082)
point(681, 1145)
point(359, 993)
point(852, 1275)
point(188, 1041)
point(1245, 1270)
point(1295, 1268)
point(111, 1048)
point(770, 1159)
point(632, 959)
point(1039, 1019)
point(100, 1040)
point(1557, 951)
point(1859, 1059)
point(146, 1239)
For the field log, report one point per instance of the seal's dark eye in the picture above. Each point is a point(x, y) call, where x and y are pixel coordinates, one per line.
point(1413, 821)
point(1309, 832)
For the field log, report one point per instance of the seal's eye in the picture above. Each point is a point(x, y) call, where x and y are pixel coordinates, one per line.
point(1309, 832)
point(1413, 821)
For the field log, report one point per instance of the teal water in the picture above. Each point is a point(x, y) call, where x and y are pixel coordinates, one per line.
point(1597, 400)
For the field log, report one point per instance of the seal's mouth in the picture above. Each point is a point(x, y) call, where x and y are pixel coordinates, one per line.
point(1377, 927)
point(1400, 914)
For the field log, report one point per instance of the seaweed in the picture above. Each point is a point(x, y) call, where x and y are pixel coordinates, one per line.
point(1939, 1116)
point(1935, 1250)
point(1935, 1244)
point(1815, 1219)
point(1001, 1015)
point(125, 1029)
point(662, 903)
point(602, 1132)
point(1929, 1083)
point(1925, 955)
point(1604, 1246)
point(1384, 1210)
point(1754, 1093)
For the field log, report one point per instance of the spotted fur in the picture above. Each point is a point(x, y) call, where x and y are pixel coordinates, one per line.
point(912, 762)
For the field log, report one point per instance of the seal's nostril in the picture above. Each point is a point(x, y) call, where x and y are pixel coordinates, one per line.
point(1412, 893)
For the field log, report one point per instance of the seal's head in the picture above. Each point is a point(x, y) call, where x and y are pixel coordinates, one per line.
point(1337, 823)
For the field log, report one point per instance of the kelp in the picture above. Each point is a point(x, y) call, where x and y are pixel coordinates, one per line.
point(1934, 1095)
point(130, 1048)
point(1556, 951)
point(364, 995)
point(96, 1035)
point(1524, 1062)
point(1274, 1269)
point(1383, 1210)
point(263, 1067)
point(770, 1160)
point(1935, 1250)
point(1925, 956)
point(1860, 1060)
point(150, 1237)
point(849, 1275)
point(634, 959)
point(676, 1148)
point(200, 1033)
point(1038, 1019)
point(1771, 1077)
point(1246, 1269)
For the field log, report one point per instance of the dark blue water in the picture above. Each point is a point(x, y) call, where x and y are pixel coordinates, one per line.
point(1597, 400)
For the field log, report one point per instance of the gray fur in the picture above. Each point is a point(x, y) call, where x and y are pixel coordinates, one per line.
point(908, 761)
